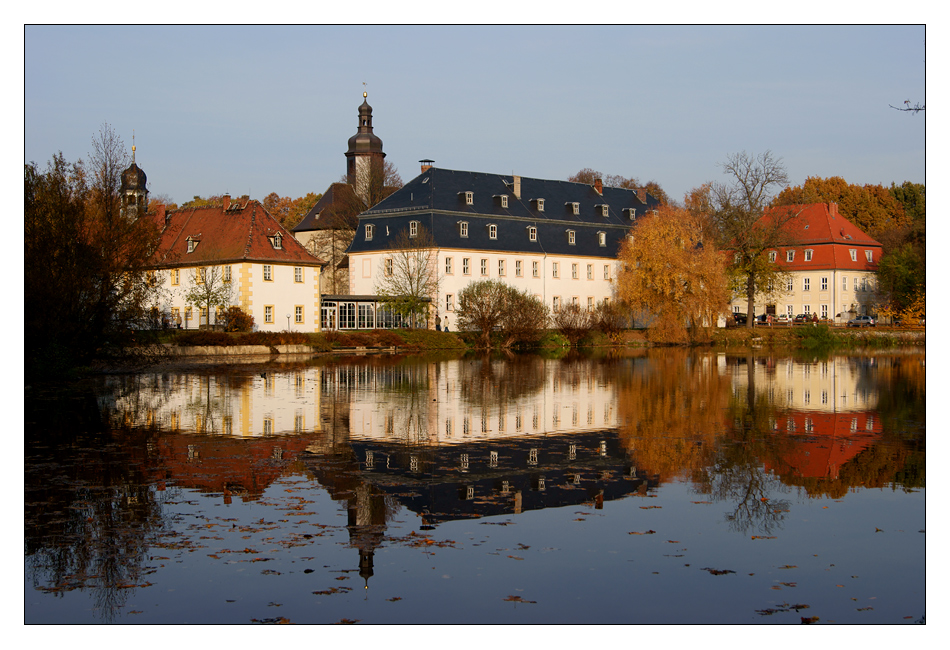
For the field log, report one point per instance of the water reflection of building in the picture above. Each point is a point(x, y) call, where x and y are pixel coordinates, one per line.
point(826, 408)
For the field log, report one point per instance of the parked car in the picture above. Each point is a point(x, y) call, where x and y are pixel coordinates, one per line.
point(861, 321)
point(801, 318)
point(740, 318)
point(783, 319)
point(762, 319)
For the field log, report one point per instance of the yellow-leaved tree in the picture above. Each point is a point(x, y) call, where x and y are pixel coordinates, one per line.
point(672, 272)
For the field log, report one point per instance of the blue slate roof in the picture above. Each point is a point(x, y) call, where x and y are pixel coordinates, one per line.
point(436, 199)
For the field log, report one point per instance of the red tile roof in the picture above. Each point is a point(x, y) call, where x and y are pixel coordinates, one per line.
point(240, 233)
point(821, 229)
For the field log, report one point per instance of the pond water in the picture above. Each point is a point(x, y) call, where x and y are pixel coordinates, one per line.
point(656, 486)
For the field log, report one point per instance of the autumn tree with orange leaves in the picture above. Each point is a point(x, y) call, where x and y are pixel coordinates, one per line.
point(670, 272)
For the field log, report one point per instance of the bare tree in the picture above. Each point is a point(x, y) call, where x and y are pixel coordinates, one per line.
point(209, 288)
point(573, 323)
point(490, 305)
point(737, 208)
point(916, 108)
point(409, 279)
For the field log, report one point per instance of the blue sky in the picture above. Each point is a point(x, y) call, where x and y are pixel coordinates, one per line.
point(251, 110)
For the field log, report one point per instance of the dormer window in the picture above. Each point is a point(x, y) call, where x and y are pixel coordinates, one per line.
point(575, 208)
point(601, 239)
point(631, 213)
point(602, 208)
point(469, 197)
point(532, 233)
point(869, 255)
point(492, 231)
point(502, 200)
point(808, 253)
point(369, 231)
point(854, 254)
point(463, 229)
point(192, 244)
point(772, 256)
point(571, 237)
point(413, 228)
point(789, 256)
point(539, 204)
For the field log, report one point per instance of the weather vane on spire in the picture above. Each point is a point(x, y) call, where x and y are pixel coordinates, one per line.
point(133, 146)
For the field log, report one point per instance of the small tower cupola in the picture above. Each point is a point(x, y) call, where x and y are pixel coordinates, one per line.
point(365, 150)
point(134, 191)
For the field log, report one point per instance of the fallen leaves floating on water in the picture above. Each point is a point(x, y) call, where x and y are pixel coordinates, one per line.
point(864, 609)
point(809, 620)
point(763, 537)
point(394, 599)
point(717, 572)
point(515, 557)
point(272, 621)
point(784, 607)
point(649, 507)
point(333, 590)
point(706, 502)
point(649, 532)
point(789, 566)
point(519, 599)
point(348, 621)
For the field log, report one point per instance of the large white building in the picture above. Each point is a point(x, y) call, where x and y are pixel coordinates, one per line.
point(556, 239)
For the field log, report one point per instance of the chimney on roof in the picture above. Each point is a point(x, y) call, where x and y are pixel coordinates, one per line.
point(599, 185)
point(426, 165)
point(227, 201)
point(642, 195)
point(833, 209)
point(516, 186)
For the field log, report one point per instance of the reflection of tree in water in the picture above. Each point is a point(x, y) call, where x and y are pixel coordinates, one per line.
point(488, 382)
point(90, 512)
point(671, 404)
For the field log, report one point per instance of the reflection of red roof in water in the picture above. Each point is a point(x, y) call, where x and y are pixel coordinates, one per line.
point(821, 443)
point(242, 467)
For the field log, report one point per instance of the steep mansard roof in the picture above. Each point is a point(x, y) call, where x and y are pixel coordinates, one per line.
point(437, 198)
point(239, 233)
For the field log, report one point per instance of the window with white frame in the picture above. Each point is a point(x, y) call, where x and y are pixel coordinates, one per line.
point(267, 273)
point(806, 309)
point(465, 266)
point(268, 313)
point(590, 271)
point(298, 313)
point(175, 276)
point(413, 228)
point(806, 284)
point(601, 239)
point(844, 283)
point(864, 284)
point(808, 253)
point(824, 311)
point(772, 256)
point(824, 284)
point(192, 244)
point(603, 209)
point(448, 266)
point(556, 304)
point(277, 241)
point(484, 266)
point(501, 268)
point(590, 303)
point(504, 200)
point(575, 208)
point(571, 237)
point(449, 304)
point(388, 267)
point(854, 254)
point(869, 256)
point(298, 274)
point(574, 271)
point(492, 231)
point(555, 269)
point(789, 256)
point(606, 271)
point(790, 310)
point(369, 231)
point(532, 233)
point(469, 198)
point(518, 270)
point(790, 285)
point(463, 229)
point(227, 273)
point(535, 271)
point(540, 204)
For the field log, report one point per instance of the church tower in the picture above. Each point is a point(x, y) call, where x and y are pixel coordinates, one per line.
point(133, 192)
point(364, 157)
